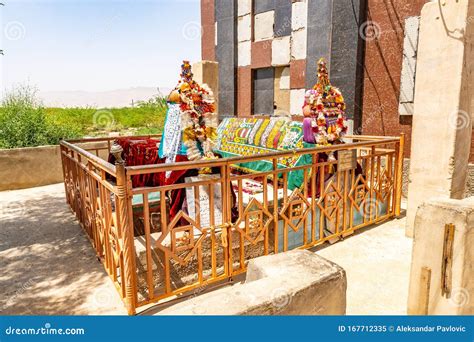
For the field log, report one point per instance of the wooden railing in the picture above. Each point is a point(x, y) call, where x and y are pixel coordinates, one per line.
point(151, 256)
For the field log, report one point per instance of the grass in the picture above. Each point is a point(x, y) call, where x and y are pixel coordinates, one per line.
point(96, 122)
point(24, 122)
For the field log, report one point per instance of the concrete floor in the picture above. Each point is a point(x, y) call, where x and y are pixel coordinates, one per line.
point(377, 264)
point(47, 264)
point(49, 267)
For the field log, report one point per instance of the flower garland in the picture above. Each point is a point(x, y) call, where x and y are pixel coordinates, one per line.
point(199, 119)
point(326, 107)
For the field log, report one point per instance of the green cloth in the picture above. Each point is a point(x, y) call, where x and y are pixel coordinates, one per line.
point(247, 137)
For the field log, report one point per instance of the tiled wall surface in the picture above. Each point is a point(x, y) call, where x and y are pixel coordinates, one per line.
point(292, 33)
point(266, 33)
point(263, 89)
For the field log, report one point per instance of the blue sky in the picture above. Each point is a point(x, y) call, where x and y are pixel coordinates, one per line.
point(97, 45)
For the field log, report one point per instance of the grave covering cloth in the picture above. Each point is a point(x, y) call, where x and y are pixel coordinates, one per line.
point(140, 152)
point(248, 137)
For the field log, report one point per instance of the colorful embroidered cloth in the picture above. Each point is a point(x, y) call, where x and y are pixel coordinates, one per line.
point(140, 152)
point(247, 137)
point(171, 143)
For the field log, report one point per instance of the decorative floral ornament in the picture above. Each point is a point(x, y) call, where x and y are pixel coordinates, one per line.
point(199, 119)
point(325, 105)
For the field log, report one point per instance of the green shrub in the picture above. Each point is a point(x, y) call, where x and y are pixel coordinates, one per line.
point(23, 122)
point(147, 116)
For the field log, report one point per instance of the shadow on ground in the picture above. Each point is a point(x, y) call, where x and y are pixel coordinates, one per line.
point(48, 265)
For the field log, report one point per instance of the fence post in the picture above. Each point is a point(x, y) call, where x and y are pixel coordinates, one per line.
point(399, 180)
point(127, 230)
point(63, 164)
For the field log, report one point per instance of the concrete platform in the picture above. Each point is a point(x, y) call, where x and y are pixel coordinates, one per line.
point(295, 283)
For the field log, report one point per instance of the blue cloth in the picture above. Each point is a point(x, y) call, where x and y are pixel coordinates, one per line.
point(171, 140)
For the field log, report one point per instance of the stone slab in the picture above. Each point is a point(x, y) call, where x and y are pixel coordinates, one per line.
point(263, 25)
point(244, 28)
point(346, 67)
point(208, 31)
point(207, 72)
point(244, 7)
point(297, 71)
point(299, 15)
point(244, 91)
point(410, 47)
point(298, 44)
point(318, 36)
point(224, 9)
point(296, 101)
point(244, 57)
point(226, 55)
point(442, 128)
point(282, 91)
point(261, 54)
point(285, 79)
point(263, 91)
point(282, 25)
point(425, 294)
point(260, 6)
point(281, 51)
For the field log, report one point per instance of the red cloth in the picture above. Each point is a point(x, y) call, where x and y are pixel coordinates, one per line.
point(141, 152)
point(179, 195)
point(145, 152)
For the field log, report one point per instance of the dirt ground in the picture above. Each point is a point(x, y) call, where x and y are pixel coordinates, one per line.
point(47, 264)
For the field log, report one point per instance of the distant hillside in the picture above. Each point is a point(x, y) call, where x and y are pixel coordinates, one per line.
point(110, 99)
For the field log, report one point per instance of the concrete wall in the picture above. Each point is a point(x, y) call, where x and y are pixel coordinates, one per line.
point(292, 283)
point(425, 294)
point(469, 191)
point(29, 167)
point(207, 72)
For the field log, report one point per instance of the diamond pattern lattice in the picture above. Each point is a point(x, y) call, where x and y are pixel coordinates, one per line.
point(295, 209)
point(183, 242)
point(256, 218)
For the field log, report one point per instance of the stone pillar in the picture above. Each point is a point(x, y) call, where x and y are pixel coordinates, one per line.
point(442, 273)
point(208, 29)
point(442, 127)
point(207, 72)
